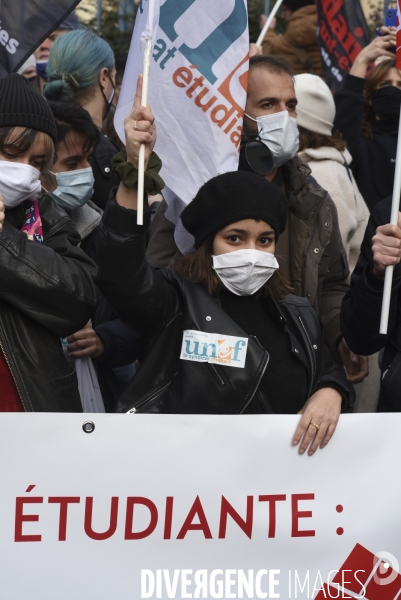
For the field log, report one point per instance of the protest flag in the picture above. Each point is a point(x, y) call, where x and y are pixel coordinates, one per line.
point(342, 33)
point(197, 92)
point(398, 51)
point(24, 24)
point(395, 203)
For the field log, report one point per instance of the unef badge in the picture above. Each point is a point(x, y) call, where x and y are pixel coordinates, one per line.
point(226, 350)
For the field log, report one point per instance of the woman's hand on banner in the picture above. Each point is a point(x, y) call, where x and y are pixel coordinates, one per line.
point(139, 129)
point(386, 247)
point(1, 212)
point(319, 420)
point(379, 47)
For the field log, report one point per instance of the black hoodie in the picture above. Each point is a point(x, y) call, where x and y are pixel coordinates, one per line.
point(373, 161)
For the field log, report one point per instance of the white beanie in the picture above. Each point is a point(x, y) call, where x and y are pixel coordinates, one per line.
point(30, 62)
point(315, 109)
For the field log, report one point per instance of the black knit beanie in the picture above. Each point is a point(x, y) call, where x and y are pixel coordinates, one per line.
point(22, 106)
point(232, 197)
point(297, 4)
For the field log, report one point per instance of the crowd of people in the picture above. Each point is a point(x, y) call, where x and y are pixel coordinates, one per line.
point(276, 309)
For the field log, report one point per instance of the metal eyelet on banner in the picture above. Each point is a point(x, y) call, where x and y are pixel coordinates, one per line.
point(88, 427)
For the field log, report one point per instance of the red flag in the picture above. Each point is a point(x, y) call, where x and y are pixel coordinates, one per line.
point(398, 53)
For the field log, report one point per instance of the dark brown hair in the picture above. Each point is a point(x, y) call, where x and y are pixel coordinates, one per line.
point(274, 64)
point(373, 80)
point(197, 268)
point(311, 139)
point(24, 140)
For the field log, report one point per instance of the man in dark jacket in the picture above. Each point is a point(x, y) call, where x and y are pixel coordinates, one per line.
point(46, 291)
point(310, 251)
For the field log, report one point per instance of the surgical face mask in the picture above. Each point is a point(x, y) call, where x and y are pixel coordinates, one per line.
point(243, 272)
point(74, 188)
point(279, 132)
point(41, 66)
point(18, 182)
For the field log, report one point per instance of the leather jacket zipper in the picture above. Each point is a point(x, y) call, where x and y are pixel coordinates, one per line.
point(13, 376)
point(267, 358)
point(311, 357)
point(134, 410)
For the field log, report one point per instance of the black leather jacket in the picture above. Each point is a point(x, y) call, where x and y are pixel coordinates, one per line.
point(46, 293)
point(160, 304)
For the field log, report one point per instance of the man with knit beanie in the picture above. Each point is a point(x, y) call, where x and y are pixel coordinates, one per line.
point(46, 291)
point(299, 42)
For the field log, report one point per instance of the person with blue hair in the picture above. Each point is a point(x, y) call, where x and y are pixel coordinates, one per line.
point(81, 69)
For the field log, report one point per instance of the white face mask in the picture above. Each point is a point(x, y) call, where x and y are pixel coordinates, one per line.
point(18, 182)
point(74, 188)
point(243, 272)
point(279, 132)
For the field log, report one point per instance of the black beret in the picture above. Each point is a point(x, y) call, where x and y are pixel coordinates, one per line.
point(231, 197)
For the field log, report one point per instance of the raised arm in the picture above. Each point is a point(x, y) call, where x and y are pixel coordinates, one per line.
point(141, 296)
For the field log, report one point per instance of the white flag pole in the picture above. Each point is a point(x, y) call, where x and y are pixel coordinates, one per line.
point(395, 207)
point(147, 52)
point(268, 22)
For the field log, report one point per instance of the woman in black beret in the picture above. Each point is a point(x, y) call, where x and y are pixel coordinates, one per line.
point(220, 332)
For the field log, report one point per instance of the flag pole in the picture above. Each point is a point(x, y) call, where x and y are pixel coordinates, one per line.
point(144, 101)
point(268, 22)
point(395, 207)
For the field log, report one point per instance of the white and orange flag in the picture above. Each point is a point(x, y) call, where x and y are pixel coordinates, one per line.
point(197, 92)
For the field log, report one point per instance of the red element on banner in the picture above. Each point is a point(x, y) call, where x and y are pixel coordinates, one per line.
point(385, 583)
point(360, 560)
point(169, 518)
point(88, 520)
point(20, 518)
point(328, 592)
point(196, 511)
point(64, 501)
point(272, 499)
point(339, 531)
point(362, 577)
point(339, 508)
point(297, 514)
point(30, 488)
point(139, 535)
point(227, 509)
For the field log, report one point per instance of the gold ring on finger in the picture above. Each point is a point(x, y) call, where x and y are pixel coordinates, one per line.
point(314, 425)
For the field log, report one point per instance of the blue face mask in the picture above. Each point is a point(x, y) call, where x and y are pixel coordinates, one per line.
point(74, 188)
point(41, 66)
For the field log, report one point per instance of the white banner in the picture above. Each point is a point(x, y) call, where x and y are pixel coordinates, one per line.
point(197, 91)
point(158, 506)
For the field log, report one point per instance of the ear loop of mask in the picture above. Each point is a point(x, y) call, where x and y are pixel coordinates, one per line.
point(110, 101)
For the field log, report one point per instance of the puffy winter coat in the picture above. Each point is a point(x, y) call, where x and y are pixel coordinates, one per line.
point(298, 43)
point(330, 168)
